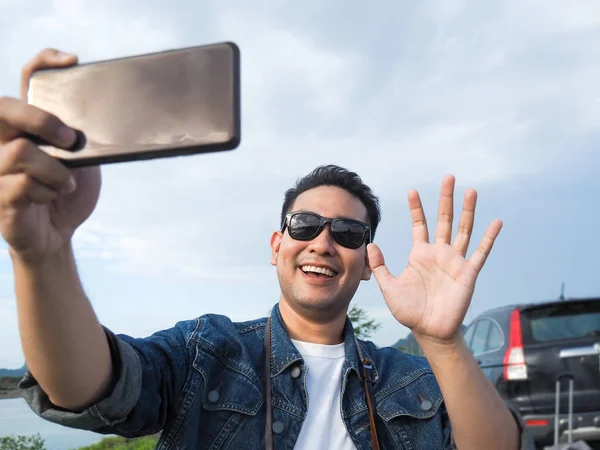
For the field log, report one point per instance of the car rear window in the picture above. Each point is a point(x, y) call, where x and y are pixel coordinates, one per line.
point(562, 321)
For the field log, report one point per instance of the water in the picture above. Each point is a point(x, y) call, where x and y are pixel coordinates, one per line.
point(16, 418)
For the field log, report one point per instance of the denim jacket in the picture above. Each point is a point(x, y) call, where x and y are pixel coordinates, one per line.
point(201, 384)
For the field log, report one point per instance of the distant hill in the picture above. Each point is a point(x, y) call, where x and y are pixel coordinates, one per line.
point(410, 345)
point(13, 372)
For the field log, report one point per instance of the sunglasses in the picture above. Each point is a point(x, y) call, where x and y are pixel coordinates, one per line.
point(349, 233)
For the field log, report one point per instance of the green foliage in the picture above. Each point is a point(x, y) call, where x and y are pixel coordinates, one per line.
point(120, 443)
point(113, 443)
point(22, 443)
point(363, 326)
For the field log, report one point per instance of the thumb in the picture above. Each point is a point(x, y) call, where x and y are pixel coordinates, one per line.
point(377, 265)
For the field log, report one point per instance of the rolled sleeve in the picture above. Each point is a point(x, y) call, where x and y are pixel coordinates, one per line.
point(107, 413)
point(149, 374)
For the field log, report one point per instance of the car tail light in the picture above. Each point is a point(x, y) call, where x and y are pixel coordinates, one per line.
point(514, 359)
point(537, 423)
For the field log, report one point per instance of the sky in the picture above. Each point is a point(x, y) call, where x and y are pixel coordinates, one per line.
point(504, 95)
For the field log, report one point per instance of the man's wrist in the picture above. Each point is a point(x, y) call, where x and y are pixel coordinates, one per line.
point(40, 265)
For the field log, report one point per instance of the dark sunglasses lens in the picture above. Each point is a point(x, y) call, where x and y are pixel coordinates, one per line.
point(304, 226)
point(348, 233)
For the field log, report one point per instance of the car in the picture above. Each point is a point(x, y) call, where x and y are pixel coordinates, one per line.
point(522, 349)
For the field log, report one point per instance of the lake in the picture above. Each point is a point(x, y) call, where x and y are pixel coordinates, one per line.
point(16, 418)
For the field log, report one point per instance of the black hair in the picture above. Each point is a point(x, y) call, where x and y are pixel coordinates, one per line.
point(332, 175)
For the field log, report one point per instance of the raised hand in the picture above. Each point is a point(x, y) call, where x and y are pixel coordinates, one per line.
point(41, 201)
point(431, 296)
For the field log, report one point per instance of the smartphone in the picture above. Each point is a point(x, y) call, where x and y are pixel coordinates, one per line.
point(170, 103)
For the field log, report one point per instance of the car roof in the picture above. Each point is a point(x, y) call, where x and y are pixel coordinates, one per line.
point(558, 302)
point(534, 305)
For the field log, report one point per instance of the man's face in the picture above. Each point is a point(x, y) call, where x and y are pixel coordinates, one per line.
point(311, 292)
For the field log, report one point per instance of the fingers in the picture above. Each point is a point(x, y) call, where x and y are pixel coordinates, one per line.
point(17, 118)
point(22, 157)
point(417, 215)
point(467, 219)
point(485, 246)
point(443, 231)
point(20, 190)
point(46, 59)
point(378, 267)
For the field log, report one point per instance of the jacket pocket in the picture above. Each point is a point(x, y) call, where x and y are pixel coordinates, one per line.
point(229, 401)
point(414, 415)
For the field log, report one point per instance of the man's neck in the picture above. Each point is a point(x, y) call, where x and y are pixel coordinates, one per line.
point(301, 327)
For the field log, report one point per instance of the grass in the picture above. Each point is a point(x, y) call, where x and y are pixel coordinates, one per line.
point(113, 443)
point(119, 443)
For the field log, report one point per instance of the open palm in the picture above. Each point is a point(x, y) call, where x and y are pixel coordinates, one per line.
point(431, 296)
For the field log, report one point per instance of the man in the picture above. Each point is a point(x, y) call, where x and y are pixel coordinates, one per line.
point(202, 382)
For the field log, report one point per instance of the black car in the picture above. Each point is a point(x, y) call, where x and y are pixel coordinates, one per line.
point(522, 349)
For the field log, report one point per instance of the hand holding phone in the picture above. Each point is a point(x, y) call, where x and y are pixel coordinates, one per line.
point(42, 202)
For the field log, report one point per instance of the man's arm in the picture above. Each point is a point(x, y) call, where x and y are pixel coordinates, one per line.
point(42, 203)
point(71, 357)
point(431, 297)
point(65, 346)
point(478, 415)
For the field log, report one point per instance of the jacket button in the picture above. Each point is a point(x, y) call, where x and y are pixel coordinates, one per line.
point(278, 427)
point(213, 396)
point(295, 372)
point(426, 405)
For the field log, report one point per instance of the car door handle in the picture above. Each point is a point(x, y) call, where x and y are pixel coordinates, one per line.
point(576, 352)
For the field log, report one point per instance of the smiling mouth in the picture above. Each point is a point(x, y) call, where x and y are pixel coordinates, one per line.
point(322, 272)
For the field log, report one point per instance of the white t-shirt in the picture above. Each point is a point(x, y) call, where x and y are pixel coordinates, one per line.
point(323, 427)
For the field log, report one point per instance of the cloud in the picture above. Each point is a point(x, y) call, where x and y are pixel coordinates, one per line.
point(484, 92)
point(104, 30)
point(462, 106)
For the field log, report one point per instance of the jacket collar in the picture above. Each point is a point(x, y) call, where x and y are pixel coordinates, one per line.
point(284, 352)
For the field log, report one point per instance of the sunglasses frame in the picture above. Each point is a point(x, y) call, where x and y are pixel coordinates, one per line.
point(367, 237)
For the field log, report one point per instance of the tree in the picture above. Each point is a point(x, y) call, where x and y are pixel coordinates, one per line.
point(363, 326)
point(22, 443)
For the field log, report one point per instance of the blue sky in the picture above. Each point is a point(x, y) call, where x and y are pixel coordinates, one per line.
point(503, 94)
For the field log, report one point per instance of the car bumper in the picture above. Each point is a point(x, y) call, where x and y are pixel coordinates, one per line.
point(586, 427)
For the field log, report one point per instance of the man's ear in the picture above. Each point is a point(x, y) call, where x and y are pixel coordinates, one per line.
point(366, 274)
point(275, 244)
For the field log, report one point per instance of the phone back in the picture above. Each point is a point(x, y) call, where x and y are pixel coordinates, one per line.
point(156, 105)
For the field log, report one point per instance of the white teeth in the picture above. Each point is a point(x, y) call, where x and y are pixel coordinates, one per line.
point(322, 270)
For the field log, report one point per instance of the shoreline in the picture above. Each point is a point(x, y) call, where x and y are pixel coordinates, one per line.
point(9, 387)
point(12, 394)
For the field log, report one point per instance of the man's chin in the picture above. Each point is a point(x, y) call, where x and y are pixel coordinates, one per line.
point(322, 304)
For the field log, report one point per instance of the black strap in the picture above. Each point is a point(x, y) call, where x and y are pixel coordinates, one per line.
point(268, 406)
point(366, 366)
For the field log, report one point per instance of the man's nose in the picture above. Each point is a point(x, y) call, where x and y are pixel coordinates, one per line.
point(324, 242)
